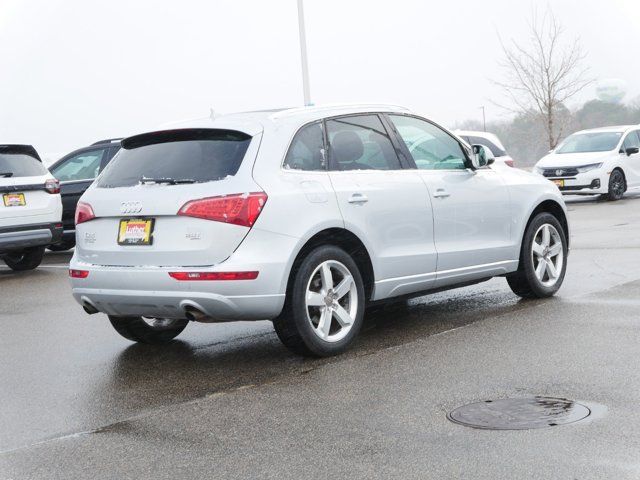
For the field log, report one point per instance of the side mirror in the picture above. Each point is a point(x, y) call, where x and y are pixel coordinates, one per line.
point(482, 156)
point(632, 151)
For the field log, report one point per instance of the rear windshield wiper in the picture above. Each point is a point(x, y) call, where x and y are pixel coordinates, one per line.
point(6, 174)
point(169, 181)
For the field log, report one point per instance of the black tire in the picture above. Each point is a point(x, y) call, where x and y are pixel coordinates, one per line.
point(524, 281)
point(28, 259)
point(617, 185)
point(138, 330)
point(293, 325)
point(62, 246)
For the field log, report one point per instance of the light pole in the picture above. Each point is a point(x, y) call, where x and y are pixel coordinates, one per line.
point(306, 90)
point(484, 120)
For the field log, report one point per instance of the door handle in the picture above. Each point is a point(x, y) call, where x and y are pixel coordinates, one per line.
point(358, 198)
point(441, 193)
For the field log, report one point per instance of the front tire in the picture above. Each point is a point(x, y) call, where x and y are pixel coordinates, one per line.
point(543, 259)
point(28, 259)
point(150, 331)
point(617, 185)
point(324, 309)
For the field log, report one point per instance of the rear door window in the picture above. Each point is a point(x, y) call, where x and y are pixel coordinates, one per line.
point(82, 166)
point(20, 165)
point(360, 142)
point(180, 156)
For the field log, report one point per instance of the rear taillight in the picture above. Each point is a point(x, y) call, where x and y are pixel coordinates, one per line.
point(194, 276)
point(52, 186)
point(239, 209)
point(509, 162)
point(78, 273)
point(84, 213)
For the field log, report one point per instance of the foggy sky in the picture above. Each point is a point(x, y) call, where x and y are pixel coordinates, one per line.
point(76, 71)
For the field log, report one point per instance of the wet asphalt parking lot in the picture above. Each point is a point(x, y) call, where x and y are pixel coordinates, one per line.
point(229, 401)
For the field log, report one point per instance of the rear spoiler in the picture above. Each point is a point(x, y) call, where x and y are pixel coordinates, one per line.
point(20, 149)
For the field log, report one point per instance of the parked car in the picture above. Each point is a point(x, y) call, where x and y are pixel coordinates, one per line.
point(305, 216)
point(489, 140)
point(76, 171)
point(604, 161)
point(30, 207)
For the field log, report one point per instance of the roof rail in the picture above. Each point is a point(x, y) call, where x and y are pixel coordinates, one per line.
point(107, 140)
point(336, 106)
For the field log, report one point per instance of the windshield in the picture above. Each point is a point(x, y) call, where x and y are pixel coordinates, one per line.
point(175, 157)
point(20, 165)
point(590, 142)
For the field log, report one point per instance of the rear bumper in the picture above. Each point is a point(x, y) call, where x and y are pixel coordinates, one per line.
point(175, 304)
point(18, 238)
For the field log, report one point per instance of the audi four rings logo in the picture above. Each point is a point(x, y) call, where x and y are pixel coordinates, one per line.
point(130, 207)
point(559, 172)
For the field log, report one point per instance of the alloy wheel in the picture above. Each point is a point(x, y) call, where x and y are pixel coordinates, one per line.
point(547, 254)
point(331, 301)
point(617, 184)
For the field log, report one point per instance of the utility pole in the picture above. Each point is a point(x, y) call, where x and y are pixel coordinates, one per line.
point(484, 120)
point(306, 90)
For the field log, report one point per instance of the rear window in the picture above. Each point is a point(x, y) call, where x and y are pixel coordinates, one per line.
point(182, 156)
point(20, 165)
point(496, 150)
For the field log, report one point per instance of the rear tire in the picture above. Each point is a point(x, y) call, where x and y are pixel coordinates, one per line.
point(617, 185)
point(324, 308)
point(542, 266)
point(62, 246)
point(150, 331)
point(28, 259)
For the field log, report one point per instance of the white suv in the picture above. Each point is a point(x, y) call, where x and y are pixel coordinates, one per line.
point(603, 161)
point(30, 207)
point(305, 216)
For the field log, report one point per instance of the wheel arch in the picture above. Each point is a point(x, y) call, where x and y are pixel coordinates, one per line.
point(350, 243)
point(554, 208)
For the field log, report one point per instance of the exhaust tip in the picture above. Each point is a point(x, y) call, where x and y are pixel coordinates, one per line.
point(90, 309)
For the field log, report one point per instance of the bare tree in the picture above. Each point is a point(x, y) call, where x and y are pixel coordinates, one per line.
point(544, 73)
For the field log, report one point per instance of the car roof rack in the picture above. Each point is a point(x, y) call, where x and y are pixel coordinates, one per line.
point(107, 140)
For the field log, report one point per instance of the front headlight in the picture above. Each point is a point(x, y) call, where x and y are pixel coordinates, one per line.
point(538, 170)
point(586, 168)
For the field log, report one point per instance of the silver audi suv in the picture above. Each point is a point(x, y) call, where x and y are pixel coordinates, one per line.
point(304, 217)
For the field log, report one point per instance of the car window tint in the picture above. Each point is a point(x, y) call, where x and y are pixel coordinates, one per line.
point(631, 140)
point(20, 165)
point(496, 150)
point(360, 142)
point(184, 155)
point(306, 150)
point(430, 147)
point(83, 166)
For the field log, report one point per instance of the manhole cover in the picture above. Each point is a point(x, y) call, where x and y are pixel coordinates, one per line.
point(519, 413)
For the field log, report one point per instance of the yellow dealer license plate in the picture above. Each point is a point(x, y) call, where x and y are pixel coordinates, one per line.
point(559, 183)
point(136, 231)
point(14, 200)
